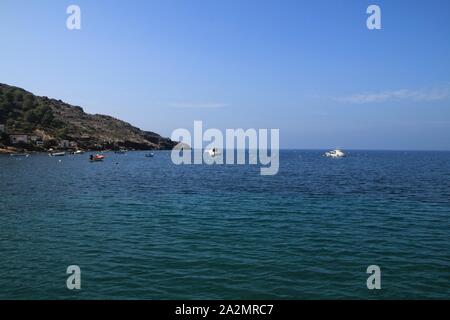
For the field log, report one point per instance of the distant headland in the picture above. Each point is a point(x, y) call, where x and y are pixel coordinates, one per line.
point(33, 123)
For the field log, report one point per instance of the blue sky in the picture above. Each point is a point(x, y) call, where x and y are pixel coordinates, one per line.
point(310, 68)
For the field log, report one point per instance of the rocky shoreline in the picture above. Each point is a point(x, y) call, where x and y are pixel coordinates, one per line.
point(32, 123)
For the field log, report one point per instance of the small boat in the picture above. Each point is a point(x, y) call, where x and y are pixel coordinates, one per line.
point(26, 155)
point(150, 155)
point(79, 152)
point(335, 154)
point(96, 158)
point(57, 154)
point(121, 151)
point(213, 152)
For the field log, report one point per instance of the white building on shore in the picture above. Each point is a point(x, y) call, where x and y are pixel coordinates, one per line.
point(18, 138)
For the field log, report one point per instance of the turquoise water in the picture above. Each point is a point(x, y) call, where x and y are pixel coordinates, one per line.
point(143, 228)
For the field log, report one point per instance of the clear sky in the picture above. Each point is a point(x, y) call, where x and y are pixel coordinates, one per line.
point(310, 68)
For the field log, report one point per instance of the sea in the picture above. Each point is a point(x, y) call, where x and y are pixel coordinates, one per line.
point(145, 228)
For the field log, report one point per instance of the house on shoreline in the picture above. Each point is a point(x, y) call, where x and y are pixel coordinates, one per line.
point(33, 140)
point(25, 138)
point(17, 138)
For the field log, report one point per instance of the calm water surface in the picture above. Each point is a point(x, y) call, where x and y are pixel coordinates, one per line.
point(143, 228)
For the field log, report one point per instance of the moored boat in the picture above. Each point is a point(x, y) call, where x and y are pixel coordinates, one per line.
point(26, 155)
point(57, 154)
point(96, 158)
point(213, 152)
point(335, 154)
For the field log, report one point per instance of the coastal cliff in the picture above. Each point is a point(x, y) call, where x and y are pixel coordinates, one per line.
point(37, 123)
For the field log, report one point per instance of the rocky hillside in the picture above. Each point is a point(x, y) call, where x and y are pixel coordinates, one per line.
point(55, 122)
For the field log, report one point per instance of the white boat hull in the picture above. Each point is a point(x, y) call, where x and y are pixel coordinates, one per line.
point(335, 154)
point(212, 153)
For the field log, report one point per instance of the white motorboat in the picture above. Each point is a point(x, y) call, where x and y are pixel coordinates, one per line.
point(213, 152)
point(26, 155)
point(335, 154)
point(57, 154)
